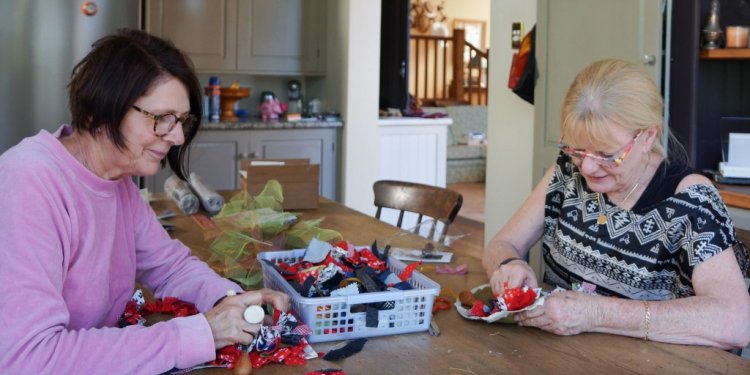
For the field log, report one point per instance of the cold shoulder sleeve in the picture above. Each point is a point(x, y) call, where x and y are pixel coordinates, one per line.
point(701, 227)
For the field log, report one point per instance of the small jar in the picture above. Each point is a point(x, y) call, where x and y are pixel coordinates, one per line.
point(736, 36)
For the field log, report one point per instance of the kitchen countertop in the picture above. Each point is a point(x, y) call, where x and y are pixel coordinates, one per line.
point(257, 123)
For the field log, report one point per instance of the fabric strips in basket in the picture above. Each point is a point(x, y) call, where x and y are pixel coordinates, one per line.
point(344, 269)
point(332, 270)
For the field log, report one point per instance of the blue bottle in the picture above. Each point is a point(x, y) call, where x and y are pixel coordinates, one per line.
point(214, 104)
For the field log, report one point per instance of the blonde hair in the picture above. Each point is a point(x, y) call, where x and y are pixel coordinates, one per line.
point(610, 93)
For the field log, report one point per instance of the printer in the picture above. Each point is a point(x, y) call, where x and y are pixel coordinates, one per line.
point(737, 165)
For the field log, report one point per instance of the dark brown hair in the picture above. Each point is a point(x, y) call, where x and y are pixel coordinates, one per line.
point(121, 68)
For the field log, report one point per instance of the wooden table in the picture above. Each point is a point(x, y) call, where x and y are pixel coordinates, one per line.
point(735, 195)
point(475, 347)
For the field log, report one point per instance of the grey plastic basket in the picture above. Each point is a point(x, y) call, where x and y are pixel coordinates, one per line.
point(331, 318)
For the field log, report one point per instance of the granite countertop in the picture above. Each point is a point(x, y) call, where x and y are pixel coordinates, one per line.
point(257, 123)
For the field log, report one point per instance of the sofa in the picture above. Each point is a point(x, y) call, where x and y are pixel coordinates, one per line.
point(466, 162)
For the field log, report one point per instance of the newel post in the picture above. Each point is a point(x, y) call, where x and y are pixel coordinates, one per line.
point(459, 43)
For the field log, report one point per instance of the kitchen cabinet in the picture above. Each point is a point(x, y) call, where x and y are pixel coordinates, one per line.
point(281, 36)
point(215, 155)
point(267, 37)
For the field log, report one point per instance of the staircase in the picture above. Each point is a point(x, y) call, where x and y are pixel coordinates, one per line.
point(434, 64)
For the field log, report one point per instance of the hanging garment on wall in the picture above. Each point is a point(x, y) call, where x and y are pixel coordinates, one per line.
point(523, 68)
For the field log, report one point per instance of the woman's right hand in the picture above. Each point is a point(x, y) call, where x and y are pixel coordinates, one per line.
point(516, 273)
point(227, 321)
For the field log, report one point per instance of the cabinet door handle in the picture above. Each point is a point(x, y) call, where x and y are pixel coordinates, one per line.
point(246, 155)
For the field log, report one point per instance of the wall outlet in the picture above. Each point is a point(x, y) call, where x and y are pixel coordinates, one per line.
point(516, 35)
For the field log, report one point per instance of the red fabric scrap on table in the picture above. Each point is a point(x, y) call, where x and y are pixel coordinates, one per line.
point(290, 356)
point(406, 273)
point(478, 309)
point(518, 298)
point(134, 314)
point(226, 357)
point(169, 305)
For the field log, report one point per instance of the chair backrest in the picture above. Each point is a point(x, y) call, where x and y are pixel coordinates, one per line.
point(441, 204)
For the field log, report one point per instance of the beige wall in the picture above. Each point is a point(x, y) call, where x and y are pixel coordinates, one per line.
point(510, 123)
point(469, 10)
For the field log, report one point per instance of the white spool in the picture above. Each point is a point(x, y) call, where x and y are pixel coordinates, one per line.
point(254, 314)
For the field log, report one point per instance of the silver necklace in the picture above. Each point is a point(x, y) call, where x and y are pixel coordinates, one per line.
point(602, 219)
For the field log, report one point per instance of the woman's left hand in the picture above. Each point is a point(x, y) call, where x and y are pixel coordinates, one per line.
point(563, 313)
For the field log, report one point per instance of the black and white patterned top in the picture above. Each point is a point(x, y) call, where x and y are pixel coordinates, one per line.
point(647, 253)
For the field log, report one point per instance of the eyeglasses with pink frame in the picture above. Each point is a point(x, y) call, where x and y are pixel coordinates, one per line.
point(610, 161)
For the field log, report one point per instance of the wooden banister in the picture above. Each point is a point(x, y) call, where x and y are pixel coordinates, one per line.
point(439, 72)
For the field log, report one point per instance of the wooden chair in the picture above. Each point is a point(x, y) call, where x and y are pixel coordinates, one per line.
point(440, 204)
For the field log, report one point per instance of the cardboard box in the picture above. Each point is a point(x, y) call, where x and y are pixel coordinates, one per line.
point(298, 178)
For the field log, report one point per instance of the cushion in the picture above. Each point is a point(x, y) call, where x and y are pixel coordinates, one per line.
point(465, 170)
point(466, 119)
point(466, 152)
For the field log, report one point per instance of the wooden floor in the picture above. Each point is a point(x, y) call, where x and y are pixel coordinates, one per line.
point(473, 207)
point(471, 216)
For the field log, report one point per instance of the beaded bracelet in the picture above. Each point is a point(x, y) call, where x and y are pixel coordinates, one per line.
point(647, 319)
point(506, 261)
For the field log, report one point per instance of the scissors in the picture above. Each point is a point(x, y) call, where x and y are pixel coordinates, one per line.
point(428, 252)
point(440, 303)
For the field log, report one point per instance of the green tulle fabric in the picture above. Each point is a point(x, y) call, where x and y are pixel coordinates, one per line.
point(249, 224)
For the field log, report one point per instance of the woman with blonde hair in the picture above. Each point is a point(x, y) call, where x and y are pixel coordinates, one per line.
point(618, 211)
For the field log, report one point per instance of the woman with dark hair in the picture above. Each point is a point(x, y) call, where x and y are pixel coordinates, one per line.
point(75, 235)
point(620, 212)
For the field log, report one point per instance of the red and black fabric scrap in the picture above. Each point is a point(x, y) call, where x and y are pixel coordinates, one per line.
point(343, 265)
point(284, 340)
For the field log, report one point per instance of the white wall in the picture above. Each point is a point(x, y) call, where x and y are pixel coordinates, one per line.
point(510, 121)
point(358, 64)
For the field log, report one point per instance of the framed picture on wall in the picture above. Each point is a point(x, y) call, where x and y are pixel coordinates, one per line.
point(474, 30)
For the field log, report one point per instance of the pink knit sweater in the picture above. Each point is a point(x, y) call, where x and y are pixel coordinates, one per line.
point(71, 247)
